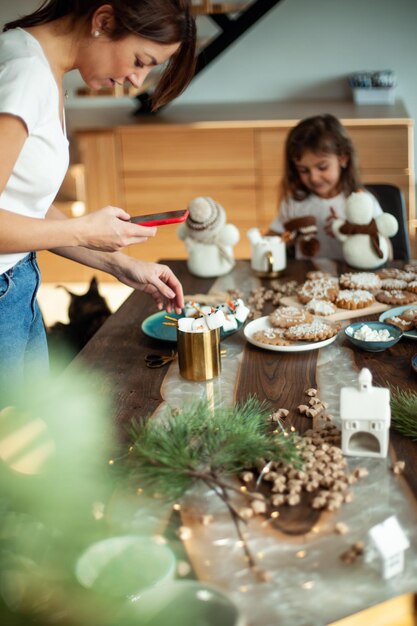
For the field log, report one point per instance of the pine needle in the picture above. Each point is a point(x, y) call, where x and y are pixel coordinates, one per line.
point(404, 412)
point(171, 454)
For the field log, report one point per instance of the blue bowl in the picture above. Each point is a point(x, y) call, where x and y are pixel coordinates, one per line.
point(373, 346)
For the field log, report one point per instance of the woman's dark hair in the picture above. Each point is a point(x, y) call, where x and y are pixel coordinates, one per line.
point(322, 134)
point(160, 21)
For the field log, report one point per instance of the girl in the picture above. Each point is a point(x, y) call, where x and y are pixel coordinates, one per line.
point(108, 42)
point(320, 172)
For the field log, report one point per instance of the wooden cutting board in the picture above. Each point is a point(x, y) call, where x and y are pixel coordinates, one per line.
point(343, 314)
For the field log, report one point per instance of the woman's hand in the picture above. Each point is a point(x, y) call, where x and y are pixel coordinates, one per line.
point(329, 221)
point(153, 278)
point(109, 230)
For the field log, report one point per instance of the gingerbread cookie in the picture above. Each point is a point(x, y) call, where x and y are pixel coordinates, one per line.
point(360, 280)
point(396, 297)
point(411, 267)
point(317, 275)
point(321, 307)
point(286, 316)
point(393, 272)
point(412, 286)
point(353, 299)
point(271, 337)
point(394, 284)
point(409, 314)
point(399, 322)
point(320, 289)
point(317, 330)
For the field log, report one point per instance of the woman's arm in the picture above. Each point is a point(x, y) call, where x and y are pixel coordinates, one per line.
point(107, 230)
point(153, 278)
point(94, 239)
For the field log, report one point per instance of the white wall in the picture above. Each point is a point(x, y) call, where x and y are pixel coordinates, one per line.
point(304, 49)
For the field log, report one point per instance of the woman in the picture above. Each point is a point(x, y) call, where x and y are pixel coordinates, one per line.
point(112, 42)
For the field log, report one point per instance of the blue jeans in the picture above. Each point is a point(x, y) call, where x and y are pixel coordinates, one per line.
point(23, 344)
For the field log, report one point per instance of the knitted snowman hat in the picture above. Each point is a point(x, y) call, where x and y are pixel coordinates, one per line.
point(206, 218)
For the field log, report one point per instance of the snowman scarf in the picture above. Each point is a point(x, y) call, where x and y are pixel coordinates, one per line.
point(370, 229)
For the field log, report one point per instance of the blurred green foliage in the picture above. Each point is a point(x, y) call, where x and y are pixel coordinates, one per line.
point(55, 481)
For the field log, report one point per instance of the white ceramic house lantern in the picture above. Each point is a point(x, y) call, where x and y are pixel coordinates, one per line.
point(366, 416)
point(388, 543)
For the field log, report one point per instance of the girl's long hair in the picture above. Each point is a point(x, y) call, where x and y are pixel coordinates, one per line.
point(322, 134)
point(160, 21)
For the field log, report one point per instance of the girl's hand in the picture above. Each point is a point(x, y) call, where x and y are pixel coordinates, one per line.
point(153, 278)
point(329, 221)
point(109, 230)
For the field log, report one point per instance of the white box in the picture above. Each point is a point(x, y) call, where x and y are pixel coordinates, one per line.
point(374, 95)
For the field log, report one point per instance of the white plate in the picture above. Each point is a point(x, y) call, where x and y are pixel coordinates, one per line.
point(263, 323)
point(412, 334)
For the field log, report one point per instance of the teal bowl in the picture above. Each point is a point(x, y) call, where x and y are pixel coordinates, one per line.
point(373, 346)
point(155, 327)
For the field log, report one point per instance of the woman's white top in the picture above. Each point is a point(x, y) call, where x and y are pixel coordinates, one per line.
point(28, 90)
point(330, 247)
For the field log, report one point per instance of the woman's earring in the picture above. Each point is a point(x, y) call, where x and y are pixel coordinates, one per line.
point(96, 33)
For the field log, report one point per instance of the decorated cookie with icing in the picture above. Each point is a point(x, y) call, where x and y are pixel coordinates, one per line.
point(317, 330)
point(353, 299)
point(400, 323)
point(394, 284)
point(321, 307)
point(271, 337)
point(396, 297)
point(287, 316)
point(321, 289)
point(412, 286)
point(409, 314)
point(394, 272)
point(360, 280)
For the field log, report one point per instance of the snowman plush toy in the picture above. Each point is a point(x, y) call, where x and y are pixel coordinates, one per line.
point(208, 239)
point(364, 238)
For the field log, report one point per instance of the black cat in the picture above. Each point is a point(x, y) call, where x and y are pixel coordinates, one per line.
point(86, 312)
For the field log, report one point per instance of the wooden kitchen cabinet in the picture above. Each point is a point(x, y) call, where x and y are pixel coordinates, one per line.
point(233, 153)
point(173, 165)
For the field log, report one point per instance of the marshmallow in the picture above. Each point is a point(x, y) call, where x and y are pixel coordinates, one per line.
point(185, 324)
point(199, 325)
point(241, 312)
point(223, 307)
point(216, 319)
point(189, 310)
point(230, 323)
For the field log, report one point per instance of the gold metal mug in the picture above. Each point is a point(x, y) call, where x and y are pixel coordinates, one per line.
point(199, 354)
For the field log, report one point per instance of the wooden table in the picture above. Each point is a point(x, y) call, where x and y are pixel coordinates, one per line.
point(119, 348)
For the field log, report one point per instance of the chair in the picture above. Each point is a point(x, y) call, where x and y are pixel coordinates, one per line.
point(392, 201)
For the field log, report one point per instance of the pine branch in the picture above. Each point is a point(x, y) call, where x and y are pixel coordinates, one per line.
point(404, 412)
point(197, 444)
point(171, 454)
point(237, 520)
